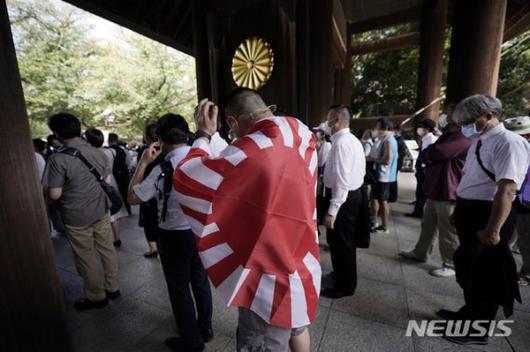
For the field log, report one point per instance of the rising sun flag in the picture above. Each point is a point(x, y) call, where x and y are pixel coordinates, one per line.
point(253, 212)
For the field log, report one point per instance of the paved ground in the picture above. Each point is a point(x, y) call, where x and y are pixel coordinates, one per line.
point(390, 292)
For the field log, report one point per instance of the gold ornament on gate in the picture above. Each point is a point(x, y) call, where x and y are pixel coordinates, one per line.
point(252, 63)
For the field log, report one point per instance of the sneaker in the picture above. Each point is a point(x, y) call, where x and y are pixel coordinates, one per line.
point(113, 294)
point(381, 229)
point(442, 272)
point(152, 254)
point(410, 255)
point(524, 279)
point(86, 304)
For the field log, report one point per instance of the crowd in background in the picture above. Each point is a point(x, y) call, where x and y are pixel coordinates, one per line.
point(469, 170)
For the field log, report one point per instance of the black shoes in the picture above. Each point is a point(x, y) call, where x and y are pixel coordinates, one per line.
point(449, 314)
point(414, 215)
point(117, 243)
point(152, 254)
point(207, 335)
point(175, 344)
point(86, 304)
point(467, 340)
point(113, 295)
point(335, 293)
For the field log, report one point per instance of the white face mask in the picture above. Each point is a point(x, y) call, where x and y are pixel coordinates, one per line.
point(443, 121)
point(421, 131)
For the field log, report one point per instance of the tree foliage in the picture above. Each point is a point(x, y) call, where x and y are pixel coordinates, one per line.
point(117, 86)
point(385, 83)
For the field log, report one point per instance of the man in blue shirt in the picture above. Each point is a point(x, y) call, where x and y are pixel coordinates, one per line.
point(385, 162)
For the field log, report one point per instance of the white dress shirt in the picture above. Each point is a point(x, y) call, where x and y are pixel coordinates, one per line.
point(345, 168)
point(323, 153)
point(504, 153)
point(427, 140)
point(153, 187)
point(41, 165)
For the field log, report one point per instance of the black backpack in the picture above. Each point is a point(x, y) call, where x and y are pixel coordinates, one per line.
point(119, 167)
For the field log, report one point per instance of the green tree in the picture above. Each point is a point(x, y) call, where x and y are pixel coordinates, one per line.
point(116, 86)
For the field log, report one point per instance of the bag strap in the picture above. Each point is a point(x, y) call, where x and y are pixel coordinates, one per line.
point(76, 153)
point(167, 175)
point(490, 174)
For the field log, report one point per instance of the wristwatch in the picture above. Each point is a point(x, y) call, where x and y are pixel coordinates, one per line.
point(201, 134)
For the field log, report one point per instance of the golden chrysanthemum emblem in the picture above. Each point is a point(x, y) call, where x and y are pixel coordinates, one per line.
point(252, 63)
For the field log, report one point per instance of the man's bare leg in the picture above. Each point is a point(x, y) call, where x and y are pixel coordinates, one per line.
point(301, 343)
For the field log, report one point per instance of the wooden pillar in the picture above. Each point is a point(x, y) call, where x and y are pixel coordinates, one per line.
point(31, 300)
point(200, 49)
point(432, 37)
point(476, 40)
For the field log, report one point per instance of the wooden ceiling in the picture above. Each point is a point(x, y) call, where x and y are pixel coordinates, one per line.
point(170, 21)
point(166, 21)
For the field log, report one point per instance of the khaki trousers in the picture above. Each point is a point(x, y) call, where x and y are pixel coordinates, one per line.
point(523, 241)
point(436, 220)
point(85, 242)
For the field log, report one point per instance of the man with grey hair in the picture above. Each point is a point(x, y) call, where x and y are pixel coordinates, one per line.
point(343, 179)
point(495, 168)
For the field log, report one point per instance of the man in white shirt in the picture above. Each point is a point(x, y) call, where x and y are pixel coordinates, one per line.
point(343, 178)
point(425, 130)
point(495, 168)
point(176, 242)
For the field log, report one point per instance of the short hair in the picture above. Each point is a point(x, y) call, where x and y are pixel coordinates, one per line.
point(385, 123)
point(172, 129)
point(243, 101)
point(94, 137)
point(428, 124)
point(342, 112)
point(475, 106)
point(64, 125)
point(113, 138)
point(150, 131)
point(39, 145)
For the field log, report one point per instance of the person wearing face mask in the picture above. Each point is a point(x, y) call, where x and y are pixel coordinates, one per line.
point(385, 161)
point(253, 212)
point(521, 126)
point(495, 168)
point(444, 161)
point(343, 178)
point(425, 131)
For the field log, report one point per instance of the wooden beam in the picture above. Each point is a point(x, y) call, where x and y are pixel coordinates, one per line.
point(517, 24)
point(31, 299)
point(406, 16)
point(397, 42)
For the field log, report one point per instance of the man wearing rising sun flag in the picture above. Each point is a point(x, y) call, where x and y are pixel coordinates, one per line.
point(252, 210)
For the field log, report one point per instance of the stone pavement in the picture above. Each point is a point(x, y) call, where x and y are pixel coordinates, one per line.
point(390, 292)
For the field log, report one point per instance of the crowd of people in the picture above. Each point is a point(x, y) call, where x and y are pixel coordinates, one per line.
point(247, 215)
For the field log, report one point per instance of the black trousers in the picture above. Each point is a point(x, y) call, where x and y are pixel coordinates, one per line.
point(340, 239)
point(488, 275)
point(182, 267)
point(148, 219)
point(421, 199)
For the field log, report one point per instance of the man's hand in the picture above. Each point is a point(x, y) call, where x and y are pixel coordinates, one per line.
point(489, 238)
point(151, 153)
point(329, 221)
point(206, 116)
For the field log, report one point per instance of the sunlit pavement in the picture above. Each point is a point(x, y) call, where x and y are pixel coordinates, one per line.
point(391, 291)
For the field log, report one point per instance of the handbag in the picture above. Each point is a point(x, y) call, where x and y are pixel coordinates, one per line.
point(115, 199)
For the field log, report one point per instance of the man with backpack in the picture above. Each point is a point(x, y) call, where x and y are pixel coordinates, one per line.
point(85, 210)
point(176, 242)
point(494, 171)
point(521, 126)
point(120, 168)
